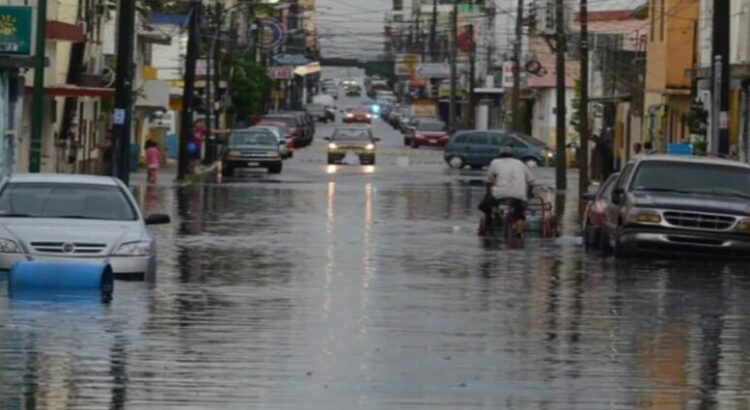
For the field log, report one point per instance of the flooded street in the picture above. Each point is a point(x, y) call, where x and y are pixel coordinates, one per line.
point(366, 287)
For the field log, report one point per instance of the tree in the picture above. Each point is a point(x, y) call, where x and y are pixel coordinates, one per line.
point(575, 115)
point(247, 83)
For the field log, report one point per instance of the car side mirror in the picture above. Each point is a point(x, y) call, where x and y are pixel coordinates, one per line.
point(617, 196)
point(377, 139)
point(157, 219)
point(589, 196)
point(327, 138)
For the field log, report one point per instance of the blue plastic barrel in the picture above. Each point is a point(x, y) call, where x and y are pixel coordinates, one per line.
point(61, 278)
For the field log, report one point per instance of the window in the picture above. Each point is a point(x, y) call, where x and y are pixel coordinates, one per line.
point(59, 200)
point(478, 139)
point(498, 139)
point(661, 20)
point(624, 176)
point(252, 138)
point(460, 139)
point(714, 179)
point(352, 134)
point(652, 15)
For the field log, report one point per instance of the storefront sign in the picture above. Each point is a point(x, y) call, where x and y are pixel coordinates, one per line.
point(433, 70)
point(406, 64)
point(15, 30)
point(272, 35)
point(280, 73)
point(508, 74)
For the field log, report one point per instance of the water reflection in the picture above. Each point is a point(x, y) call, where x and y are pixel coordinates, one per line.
point(363, 293)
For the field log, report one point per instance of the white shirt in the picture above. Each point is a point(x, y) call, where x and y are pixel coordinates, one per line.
point(510, 178)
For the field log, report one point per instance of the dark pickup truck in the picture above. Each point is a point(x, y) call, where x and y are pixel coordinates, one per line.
point(694, 206)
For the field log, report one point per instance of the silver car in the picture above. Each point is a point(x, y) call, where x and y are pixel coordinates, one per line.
point(77, 218)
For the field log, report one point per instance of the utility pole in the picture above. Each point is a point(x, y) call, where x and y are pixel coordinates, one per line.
point(721, 73)
point(217, 68)
point(433, 31)
point(472, 69)
point(208, 103)
point(452, 126)
point(188, 93)
point(516, 97)
point(583, 149)
point(35, 152)
point(123, 91)
point(560, 163)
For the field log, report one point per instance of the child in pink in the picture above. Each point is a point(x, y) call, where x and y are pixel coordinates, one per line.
point(153, 160)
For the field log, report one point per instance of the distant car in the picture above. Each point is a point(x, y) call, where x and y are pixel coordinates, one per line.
point(318, 111)
point(357, 140)
point(280, 133)
point(289, 136)
point(348, 82)
point(357, 115)
point(678, 205)
point(328, 83)
point(596, 207)
point(409, 126)
point(432, 133)
point(478, 148)
point(353, 91)
point(333, 92)
point(247, 148)
point(331, 113)
point(77, 218)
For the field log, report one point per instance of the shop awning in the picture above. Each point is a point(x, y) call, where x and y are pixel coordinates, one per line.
point(68, 90)
point(308, 69)
point(59, 30)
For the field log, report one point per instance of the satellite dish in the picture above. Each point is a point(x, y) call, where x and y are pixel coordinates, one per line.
point(108, 76)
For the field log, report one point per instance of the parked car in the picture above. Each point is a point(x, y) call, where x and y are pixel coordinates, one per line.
point(297, 126)
point(478, 148)
point(596, 207)
point(308, 120)
point(432, 133)
point(77, 218)
point(348, 82)
point(280, 133)
point(248, 148)
point(318, 111)
point(683, 205)
point(357, 115)
point(286, 131)
point(357, 140)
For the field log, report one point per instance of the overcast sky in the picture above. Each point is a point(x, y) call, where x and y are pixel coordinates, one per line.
point(354, 28)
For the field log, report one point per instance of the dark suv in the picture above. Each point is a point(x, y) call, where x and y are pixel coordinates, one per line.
point(297, 124)
point(689, 205)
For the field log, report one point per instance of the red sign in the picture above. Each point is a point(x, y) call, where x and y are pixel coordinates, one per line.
point(280, 73)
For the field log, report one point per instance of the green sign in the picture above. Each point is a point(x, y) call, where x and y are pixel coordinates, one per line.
point(15, 30)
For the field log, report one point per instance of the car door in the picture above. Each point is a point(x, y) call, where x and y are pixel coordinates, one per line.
point(612, 214)
point(477, 148)
point(496, 140)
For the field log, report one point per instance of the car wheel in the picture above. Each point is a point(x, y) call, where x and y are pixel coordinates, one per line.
point(227, 171)
point(531, 162)
point(276, 168)
point(414, 144)
point(456, 162)
point(331, 160)
point(590, 236)
point(604, 246)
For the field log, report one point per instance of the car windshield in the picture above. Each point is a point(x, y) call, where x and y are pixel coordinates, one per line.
point(350, 134)
point(289, 121)
point(64, 200)
point(431, 126)
point(252, 138)
point(696, 178)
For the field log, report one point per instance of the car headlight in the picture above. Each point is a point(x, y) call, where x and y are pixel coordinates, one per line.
point(141, 248)
point(743, 225)
point(369, 115)
point(9, 246)
point(234, 154)
point(332, 145)
point(349, 115)
point(643, 216)
point(370, 146)
point(549, 154)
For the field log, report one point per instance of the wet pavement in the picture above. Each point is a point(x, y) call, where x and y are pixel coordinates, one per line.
point(351, 287)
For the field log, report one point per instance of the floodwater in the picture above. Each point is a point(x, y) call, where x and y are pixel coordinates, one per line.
point(351, 287)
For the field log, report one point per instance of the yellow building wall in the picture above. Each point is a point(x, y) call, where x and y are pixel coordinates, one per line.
point(734, 117)
point(671, 44)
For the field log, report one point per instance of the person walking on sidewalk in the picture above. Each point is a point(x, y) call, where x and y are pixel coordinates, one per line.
point(153, 160)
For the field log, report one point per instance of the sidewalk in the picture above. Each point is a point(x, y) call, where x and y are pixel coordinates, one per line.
point(167, 176)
